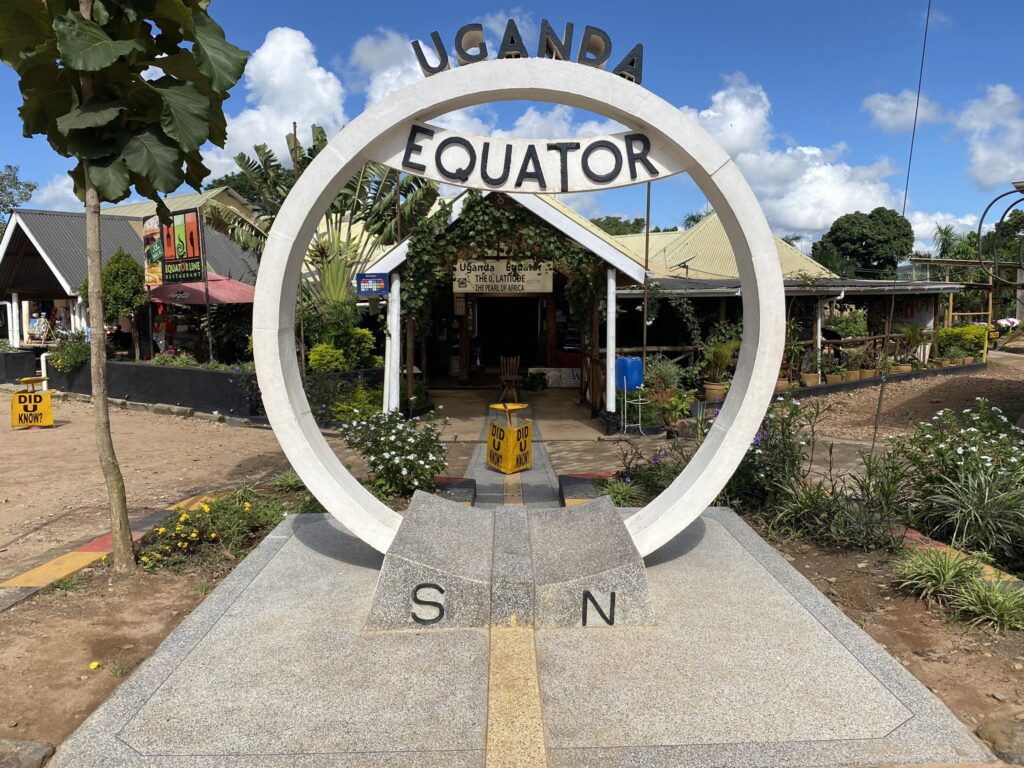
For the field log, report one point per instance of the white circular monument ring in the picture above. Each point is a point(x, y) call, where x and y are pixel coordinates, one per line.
point(376, 130)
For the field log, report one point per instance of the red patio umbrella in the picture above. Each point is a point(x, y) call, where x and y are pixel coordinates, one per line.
point(223, 290)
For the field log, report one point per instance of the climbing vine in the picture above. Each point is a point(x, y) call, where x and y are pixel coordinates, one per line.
point(493, 226)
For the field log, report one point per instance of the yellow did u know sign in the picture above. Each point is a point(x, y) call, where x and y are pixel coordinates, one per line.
point(508, 446)
point(30, 408)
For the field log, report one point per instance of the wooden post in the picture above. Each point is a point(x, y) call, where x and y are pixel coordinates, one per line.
point(552, 331)
point(593, 396)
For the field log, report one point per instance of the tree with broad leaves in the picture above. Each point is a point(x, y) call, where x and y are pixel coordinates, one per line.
point(124, 291)
point(865, 244)
point(80, 65)
point(13, 192)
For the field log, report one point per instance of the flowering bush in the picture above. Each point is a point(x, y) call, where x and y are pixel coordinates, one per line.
point(778, 456)
point(403, 455)
point(969, 469)
point(231, 523)
point(1007, 324)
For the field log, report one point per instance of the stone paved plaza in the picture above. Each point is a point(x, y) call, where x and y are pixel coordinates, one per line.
point(745, 664)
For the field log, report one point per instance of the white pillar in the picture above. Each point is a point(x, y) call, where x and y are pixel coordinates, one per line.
point(819, 319)
point(393, 374)
point(26, 321)
point(609, 351)
point(388, 347)
point(15, 320)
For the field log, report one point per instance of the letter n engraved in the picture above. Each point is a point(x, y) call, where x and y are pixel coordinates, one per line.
point(607, 618)
point(439, 607)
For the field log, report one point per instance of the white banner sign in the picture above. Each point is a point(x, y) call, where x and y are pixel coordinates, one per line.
point(501, 276)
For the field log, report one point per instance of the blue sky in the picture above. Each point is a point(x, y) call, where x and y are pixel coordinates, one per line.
point(813, 99)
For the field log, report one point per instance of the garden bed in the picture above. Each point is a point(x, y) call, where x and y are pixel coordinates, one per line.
point(848, 386)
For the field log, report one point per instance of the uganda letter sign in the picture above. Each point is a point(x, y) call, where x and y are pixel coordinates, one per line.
point(31, 409)
point(501, 276)
point(508, 447)
point(174, 253)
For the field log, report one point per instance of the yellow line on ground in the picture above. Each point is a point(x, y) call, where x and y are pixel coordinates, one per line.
point(513, 489)
point(58, 568)
point(515, 724)
point(191, 503)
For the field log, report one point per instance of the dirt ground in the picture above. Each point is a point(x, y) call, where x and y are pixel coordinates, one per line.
point(907, 402)
point(48, 642)
point(970, 670)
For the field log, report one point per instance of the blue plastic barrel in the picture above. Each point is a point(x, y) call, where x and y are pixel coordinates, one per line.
point(629, 373)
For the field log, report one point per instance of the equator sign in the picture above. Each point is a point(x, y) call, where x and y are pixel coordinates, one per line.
point(392, 131)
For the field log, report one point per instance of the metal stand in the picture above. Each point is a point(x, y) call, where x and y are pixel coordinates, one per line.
point(639, 401)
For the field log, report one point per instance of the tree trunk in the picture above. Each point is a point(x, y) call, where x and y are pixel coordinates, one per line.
point(135, 337)
point(123, 551)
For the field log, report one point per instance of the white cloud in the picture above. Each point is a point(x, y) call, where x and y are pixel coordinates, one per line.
point(383, 62)
point(284, 83)
point(738, 116)
point(586, 204)
point(802, 189)
point(895, 113)
point(58, 194)
point(556, 123)
point(994, 128)
point(924, 225)
point(494, 28)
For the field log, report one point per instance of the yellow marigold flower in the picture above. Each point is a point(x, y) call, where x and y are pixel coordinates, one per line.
point(247, 507)
point(161, 531)
point(182, 545)
point(184, 517)
point(94, 665)
point(205, 507)
point(145, 559)
point(194, 535)
point(213, 535)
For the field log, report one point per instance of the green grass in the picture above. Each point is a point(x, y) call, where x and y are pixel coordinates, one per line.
point(72, 583)
point(287, 481)
point(936, 574)
point(120, 667)
point(997, 604)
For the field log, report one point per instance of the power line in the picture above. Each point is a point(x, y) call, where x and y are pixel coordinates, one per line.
point(906, 192)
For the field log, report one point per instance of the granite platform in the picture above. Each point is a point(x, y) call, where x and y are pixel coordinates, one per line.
point(745, 665)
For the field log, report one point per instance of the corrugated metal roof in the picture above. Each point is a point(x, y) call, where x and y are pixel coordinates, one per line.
point(822, 287)
point(61, 237)
point(222, 195)
point(704, 252)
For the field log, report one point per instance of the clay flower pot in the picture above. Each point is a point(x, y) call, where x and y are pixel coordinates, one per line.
point(809, 379)
point(714, 390)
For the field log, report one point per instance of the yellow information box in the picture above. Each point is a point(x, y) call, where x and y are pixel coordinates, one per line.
point(509, 449)
point(30, 408)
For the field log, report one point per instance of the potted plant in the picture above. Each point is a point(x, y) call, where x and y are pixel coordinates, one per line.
point(718, 359)
point(884, 366)
point(834, 373)
point(853, 360)
point(661, 379)
point(676, 411)
point(810, 369)
point(912, 343)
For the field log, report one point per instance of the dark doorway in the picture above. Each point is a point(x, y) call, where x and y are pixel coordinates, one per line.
point(507, 328)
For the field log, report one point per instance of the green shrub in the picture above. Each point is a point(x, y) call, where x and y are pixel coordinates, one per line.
point(879, 495)
point(180, 360)
point(778, 456)
point(972, 338)
point(362, 400)
point(998, 604)
point(936, 574)
point(402, 455)
point(661, 374)
point(621, 492)
point(323, 358)
point(70, 353)
point(5, 346)
point(980, 509)
point(358, 345)
point(808, 509)
point(848, 322)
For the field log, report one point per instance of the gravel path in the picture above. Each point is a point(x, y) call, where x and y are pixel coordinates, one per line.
point(908, 402)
